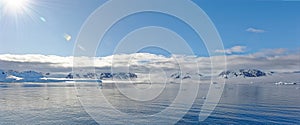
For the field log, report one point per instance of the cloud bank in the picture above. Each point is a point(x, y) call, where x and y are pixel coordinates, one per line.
point(278, 61)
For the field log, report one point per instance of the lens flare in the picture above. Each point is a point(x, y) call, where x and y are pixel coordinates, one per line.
point(67, 37)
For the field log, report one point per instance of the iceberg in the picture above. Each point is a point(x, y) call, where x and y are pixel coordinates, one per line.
point(285, 83)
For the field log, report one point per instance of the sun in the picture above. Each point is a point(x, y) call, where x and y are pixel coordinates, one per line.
point(15, 6)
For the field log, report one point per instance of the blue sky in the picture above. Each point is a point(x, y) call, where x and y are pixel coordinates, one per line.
point(255, 25)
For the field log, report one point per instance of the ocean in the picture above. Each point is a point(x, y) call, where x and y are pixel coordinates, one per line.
point(58, 103)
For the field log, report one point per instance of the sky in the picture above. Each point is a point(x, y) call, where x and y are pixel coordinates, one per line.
point(43, 26)
point(259, 34)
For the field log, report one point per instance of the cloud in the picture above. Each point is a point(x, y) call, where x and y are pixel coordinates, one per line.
point(145, 62)
point(271, 52)
point(235, 49)
point(254, 30)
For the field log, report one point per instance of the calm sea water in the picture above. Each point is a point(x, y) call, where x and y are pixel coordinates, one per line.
point(57, 103)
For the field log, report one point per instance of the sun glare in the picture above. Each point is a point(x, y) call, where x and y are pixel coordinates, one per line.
point(15, 6)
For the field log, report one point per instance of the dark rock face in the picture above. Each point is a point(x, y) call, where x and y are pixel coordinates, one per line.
point(252, 73)
point(70, 76)
point(105, 75)
point(176, 75)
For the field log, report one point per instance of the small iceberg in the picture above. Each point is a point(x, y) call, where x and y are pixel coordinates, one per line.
point(285, 83)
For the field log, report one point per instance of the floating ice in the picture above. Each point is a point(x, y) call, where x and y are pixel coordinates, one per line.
point(285, 83)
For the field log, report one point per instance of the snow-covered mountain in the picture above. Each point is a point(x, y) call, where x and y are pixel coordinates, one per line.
point(243, 73)
point(187, 75)
point(120, 75)
point(15, 76)
point(85, 76)
point(33, 76)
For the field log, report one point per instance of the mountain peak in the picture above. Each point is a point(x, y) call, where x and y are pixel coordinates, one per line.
point(187, 75)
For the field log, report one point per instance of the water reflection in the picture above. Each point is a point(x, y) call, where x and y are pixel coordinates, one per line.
point(240, 104)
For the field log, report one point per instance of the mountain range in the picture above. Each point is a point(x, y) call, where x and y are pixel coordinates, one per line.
point(33, 76)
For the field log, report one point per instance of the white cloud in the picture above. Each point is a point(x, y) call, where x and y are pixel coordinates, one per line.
point(254, 30)
point(271, 52)
point(235, 49)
